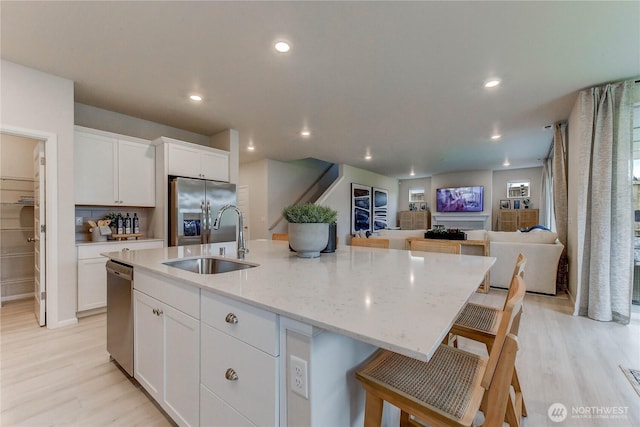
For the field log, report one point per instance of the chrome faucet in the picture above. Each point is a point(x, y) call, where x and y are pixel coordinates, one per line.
point(242, 249)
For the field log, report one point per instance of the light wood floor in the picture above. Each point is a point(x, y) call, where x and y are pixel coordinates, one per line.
point(572, 360)
point(63, 377)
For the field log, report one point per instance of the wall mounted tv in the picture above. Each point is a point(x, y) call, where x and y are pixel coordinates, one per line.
point(460, 199)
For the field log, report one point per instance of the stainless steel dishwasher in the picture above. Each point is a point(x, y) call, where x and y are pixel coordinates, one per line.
point(120, 314)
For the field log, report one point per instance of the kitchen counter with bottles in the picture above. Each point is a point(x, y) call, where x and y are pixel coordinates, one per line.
point(277, 343)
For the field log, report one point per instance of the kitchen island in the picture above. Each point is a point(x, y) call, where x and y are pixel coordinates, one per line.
point(297, 327)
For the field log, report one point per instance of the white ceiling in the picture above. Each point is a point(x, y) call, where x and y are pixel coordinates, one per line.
point(402, 80)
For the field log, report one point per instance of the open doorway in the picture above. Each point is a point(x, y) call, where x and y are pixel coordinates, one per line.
point(22, 221)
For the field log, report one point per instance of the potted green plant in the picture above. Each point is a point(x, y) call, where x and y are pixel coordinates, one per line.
point(309, 228)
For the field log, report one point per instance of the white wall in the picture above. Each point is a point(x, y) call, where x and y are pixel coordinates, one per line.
point(408, 184)
point(273, 185)
point(338, 196)
point(500, 179)
point(97, 118)
point(254, 176)
point(40, 102)
point(465, 179)
point(16, 156)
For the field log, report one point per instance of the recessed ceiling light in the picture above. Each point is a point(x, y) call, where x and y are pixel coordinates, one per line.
point(282, 47)
point(496, 136)
point(412, 173)
point(305, 133)
point(506, 163)
point(195, 98)
point(492, 83)
point(367, 156)
point(251, 148)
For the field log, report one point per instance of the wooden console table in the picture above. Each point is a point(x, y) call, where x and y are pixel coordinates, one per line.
point(467, 247)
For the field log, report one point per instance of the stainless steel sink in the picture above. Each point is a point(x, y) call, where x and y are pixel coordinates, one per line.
point(207, 265)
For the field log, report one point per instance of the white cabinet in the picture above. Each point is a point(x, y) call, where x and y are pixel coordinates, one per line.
point(92, 276)
point(193, 161)
point(113, 170)
point(167, 345)
point(239, 362)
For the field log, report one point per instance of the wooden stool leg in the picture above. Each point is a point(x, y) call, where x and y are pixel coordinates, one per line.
point(515, 382)
point(372, 410)
point(404, 419)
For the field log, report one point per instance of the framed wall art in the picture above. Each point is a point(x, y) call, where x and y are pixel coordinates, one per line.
point(505, 204)
point(380, 209)
point(360, 208)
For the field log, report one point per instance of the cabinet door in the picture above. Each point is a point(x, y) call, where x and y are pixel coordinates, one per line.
point(95, 160)
point(215, 166)
point(420, 220)
point(406, 220)
point(508, 220)
point(254, 393)
point(148, 344)
point(92, 283)
point(184, 161)
point(182, 366)
point(136, 173)
point(214, 412)
point(527, 218)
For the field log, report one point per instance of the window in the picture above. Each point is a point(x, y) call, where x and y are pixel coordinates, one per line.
point(416, 194)
point(518, 189)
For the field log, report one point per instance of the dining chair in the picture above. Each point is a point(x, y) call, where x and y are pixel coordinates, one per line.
point(441, 247)
point(280, 236)
point(480, 323)
point(370, 243)
point(452, 386)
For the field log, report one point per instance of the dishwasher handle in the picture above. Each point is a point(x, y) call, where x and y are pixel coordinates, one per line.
point(120, 270)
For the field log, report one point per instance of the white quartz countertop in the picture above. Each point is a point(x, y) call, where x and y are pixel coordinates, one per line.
point(400, 300)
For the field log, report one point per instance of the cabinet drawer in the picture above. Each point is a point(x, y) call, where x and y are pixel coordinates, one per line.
point(214, 412)
point(254, 393)
point(185, 298)
point(94, 250)
point(254, 326)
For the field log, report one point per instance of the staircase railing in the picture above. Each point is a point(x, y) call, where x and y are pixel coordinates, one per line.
point(315, 190)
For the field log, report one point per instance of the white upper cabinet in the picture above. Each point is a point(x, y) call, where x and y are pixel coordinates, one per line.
point(113, 170)
point(193, 161)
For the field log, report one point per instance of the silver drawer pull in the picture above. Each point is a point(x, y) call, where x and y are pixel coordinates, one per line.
point(231, 318)
point(231, 375)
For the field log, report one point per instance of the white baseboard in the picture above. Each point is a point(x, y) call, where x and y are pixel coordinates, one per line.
point(17, 297)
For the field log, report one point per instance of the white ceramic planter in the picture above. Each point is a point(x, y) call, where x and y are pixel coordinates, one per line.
point(308, 239)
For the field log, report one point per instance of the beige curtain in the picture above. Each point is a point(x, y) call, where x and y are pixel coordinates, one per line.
point(559, 168)
point(605, 223)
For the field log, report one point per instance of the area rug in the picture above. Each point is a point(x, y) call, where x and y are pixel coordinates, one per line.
point(633, 375)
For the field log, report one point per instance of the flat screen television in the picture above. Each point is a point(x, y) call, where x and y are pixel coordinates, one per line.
point(460, 199)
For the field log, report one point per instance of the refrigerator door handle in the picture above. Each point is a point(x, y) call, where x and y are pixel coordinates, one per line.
point(203, 223)
point(208, 222)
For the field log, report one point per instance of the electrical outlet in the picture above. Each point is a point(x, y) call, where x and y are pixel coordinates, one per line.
point(298, 376)
point(78, 220)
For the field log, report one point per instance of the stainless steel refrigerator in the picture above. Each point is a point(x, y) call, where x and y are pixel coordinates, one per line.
point(194, 203)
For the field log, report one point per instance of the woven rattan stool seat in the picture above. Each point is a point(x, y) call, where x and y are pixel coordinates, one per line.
point(479, 317)
point(446, 382)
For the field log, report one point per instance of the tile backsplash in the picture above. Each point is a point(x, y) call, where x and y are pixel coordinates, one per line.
point(95, 213)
